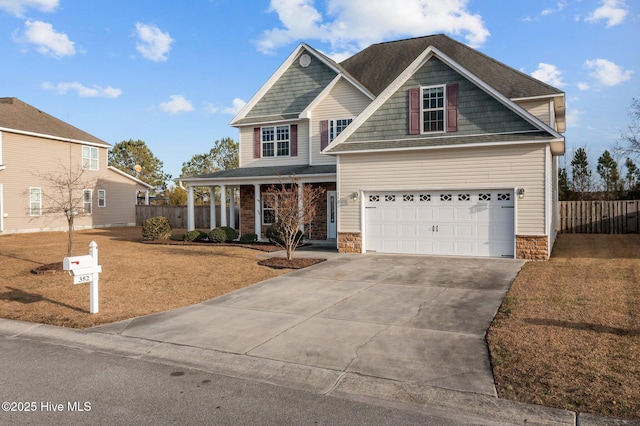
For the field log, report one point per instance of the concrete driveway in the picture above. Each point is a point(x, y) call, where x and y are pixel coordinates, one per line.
point(413, 319)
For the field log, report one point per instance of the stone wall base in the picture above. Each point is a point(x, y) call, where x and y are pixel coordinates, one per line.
point(349, 242)
point(532, 247)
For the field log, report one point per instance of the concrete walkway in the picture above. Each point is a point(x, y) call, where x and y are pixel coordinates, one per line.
point(413, 319)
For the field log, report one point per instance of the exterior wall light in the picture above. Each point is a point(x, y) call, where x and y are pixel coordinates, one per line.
point(520, 193)
point(355, 196)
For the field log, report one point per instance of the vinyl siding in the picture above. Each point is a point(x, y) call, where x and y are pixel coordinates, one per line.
point(246, 148)
point(478, 112)
point(344, 101)
point(295, 90)
point(29, 159)
point(473, 168)
point(539, 108)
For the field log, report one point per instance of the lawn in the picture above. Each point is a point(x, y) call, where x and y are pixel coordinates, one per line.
point(568, 333)
point(137, 278)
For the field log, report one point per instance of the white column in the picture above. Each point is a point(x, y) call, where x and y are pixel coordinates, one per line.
point(301, 225)
point(232, 207)
point(257, 217)
point(212, 206)
point(223, 205)
point(146, 197)
point(191, 221)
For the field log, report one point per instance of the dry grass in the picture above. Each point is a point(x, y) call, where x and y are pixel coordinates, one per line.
point(568, 332)
point(137, 279)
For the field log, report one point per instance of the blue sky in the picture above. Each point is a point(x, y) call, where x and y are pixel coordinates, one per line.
point(175, 73)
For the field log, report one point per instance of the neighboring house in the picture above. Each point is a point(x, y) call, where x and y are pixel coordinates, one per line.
point(35, 145)
point(424, 146)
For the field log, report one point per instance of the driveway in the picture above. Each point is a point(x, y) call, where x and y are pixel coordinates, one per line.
point(413, 319)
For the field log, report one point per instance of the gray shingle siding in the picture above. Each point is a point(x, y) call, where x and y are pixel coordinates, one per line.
point(478, 112)
point(293, 92)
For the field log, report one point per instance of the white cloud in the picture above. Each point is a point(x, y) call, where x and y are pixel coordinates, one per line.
point(19, 7)
point(48, 41)
point(613, 11)
point(236, 105)
point(350, 25)
point(154, 44)
point(583, 86)
point(559, 7)
point(550, 74)
point(176, 105)
point(83, 91)
point(606, 72)
point(573, 117)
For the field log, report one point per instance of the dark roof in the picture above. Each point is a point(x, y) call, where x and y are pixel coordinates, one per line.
point(379, 64)
point(441, 141)
point(272, 171)
point(17, 115)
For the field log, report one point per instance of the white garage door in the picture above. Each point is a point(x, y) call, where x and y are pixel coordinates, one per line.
point(467, 223)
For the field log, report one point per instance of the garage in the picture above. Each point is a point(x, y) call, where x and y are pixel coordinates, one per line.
point(460, 222)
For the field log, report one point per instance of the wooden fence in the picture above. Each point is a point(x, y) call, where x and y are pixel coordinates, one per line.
point(177, 215)
point(599, 217)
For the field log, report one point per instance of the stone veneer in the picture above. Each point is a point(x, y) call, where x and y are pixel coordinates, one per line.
point(349, 242)
point(532, 247)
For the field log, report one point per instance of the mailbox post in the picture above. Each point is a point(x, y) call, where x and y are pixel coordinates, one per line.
point(85, 269)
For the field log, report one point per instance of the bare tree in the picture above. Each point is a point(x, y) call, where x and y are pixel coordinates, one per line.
point(294, 206)
point(631, 137)
point(64, 193)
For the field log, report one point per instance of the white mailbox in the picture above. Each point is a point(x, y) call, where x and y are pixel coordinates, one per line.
point(77, 262)
point(85, 271)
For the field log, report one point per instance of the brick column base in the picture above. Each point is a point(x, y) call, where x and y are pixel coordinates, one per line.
point(349, 242)
point(532, 247)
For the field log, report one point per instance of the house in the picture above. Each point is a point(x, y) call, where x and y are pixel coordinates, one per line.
point(424, 146)
point(36, 149)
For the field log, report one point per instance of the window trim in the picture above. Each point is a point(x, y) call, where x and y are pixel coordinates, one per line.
point(443, 109)
point(102, 198)
point(275, 141)
point(84, 202)
point(88, 158)
point(39, 208)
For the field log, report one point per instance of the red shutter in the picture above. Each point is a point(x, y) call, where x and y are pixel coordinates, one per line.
point(257, 142)
point(324, 134)
point(294, 140)
point(452, 108)
point(414, 111)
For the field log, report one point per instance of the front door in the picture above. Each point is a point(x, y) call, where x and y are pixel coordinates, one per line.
point(331, 214)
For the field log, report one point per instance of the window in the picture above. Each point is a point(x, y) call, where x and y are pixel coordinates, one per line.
point(89, 158)
point(102, 198)
point(433, 108)
point(337, 126)
point(268, 213)
point(275, 141)
point(35, 201)
point(86, 201)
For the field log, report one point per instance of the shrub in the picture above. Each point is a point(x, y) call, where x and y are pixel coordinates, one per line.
point(156, 228)
point(231, 233)
point(248, 238)
point(195, 236)
point(274, 234)
point(217, 235)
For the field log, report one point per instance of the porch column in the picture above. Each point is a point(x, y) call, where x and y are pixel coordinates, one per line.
point(212, 207)
point(191, 221)
point(257, 220)
point(146, 197)
point(223, 205)
point(232, 207)
point(300, 213)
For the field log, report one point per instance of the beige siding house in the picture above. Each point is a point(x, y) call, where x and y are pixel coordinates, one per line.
point(36, 150)
point(424, 145)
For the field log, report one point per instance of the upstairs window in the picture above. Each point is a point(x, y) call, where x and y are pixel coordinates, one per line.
point(337, 126)
point(433, 109)
point(89, 158)
point(275, 141)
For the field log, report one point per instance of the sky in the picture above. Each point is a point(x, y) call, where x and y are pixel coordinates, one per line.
point(174, 74)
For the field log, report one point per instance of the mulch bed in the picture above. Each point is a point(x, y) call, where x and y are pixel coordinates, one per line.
point(283, 263)
point(48, 268)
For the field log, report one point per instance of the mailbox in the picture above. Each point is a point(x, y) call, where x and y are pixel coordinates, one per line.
point(85, 271)
point(77, 262)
